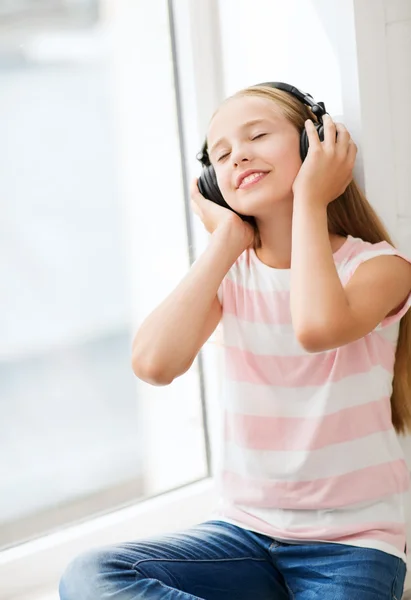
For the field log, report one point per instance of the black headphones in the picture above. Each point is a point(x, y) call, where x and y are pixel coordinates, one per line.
point(207, 182)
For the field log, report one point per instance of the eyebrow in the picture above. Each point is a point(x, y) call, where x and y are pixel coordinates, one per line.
point(243, 126)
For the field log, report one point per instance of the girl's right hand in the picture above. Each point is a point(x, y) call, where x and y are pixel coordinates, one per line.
point(214, 216)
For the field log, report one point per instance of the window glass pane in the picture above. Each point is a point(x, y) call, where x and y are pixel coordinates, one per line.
point(79, 435)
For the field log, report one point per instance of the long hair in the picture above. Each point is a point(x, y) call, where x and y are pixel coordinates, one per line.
point(352, 214)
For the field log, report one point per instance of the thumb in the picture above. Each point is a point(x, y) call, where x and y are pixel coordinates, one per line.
point(197, 199)
point(196, 208)
point(194, 191)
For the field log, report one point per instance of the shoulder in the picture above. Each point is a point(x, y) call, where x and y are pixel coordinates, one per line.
point(374, 257)
point(379, 273)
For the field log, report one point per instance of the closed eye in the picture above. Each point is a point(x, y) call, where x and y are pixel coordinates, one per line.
point(259, 135)
point(222, 156)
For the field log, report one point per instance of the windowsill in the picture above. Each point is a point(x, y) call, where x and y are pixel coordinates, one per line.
point(42, 561)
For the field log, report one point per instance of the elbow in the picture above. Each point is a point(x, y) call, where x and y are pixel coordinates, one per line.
point(312, 340)
point(148, 373)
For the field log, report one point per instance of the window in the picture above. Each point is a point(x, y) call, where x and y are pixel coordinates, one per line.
point(94, 235)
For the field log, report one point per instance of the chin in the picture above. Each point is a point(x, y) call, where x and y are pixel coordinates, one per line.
point(261, 206)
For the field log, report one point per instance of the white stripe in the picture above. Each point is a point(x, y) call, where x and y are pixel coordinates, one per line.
point(388, 511)
point(256, 279)
point(300, 465)
point(390, 332)
point(246, 278)
point(271, 339)
point(269, 279)
point(261, 338)
point(309, 401)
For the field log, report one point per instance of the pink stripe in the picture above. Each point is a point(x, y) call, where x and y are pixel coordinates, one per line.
point(310, 369)
point(366, 248)
point(299, 433)
point(367, 484)
point(390, 533)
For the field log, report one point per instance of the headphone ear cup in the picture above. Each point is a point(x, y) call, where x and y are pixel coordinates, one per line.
point(208, 186)
point(304, 144)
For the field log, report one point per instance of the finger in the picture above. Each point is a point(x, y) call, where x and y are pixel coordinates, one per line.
point(313, 138)
point(352, 152)
point(195, 193)
point(195, 208)
point(329, 132)
point(194, 187)
point(343, 138)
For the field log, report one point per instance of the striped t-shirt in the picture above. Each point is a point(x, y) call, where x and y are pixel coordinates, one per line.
point(309, 451)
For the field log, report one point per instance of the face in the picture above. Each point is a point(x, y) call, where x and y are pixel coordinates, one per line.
point(249, 136)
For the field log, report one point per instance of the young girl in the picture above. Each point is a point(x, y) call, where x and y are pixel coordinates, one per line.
point(312, 298)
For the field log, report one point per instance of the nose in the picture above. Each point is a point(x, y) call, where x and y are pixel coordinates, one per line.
point(239, 155)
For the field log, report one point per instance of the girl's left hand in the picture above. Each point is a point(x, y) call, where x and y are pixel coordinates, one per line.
point(328, 167)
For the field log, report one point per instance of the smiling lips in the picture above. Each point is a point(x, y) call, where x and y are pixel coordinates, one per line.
point(251, 179)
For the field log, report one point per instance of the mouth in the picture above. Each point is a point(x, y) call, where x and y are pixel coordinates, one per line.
point(251, 180)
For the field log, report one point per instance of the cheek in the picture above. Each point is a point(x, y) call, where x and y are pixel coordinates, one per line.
point(294, 166)
point(224, 182)
point(289, 164)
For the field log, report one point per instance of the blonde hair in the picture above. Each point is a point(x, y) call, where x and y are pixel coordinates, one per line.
point(352, 214)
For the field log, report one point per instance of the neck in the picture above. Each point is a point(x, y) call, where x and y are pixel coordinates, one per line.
point(276, 239)
point(275, 235)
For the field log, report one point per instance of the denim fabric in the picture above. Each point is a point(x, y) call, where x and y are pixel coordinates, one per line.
point(220, 561)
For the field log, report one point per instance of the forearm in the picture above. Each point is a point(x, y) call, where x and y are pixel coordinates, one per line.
point(317, 294)
point(170, 337)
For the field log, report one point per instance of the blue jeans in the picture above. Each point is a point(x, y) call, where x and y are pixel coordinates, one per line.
point(219, 561)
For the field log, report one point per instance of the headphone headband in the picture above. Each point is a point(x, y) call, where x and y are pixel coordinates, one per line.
point(318, 108)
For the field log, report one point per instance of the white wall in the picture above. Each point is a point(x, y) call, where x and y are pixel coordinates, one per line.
point(398, 76)
point(273, 40)
point(397, 18)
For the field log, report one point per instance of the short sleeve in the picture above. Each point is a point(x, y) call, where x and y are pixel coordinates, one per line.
point(372, 251)
point(398, 315)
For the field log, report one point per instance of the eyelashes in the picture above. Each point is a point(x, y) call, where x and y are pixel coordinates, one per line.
point(256, 137)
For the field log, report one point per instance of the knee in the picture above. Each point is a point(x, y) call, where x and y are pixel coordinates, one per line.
point(83, 577)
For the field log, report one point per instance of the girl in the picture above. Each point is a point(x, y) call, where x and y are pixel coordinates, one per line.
point(312, 297)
